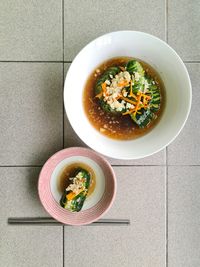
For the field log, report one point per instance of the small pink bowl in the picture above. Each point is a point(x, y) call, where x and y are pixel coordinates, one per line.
point(91, 213)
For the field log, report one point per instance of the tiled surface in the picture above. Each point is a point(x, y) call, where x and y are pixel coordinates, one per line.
point(88, 19)
point(140, 244)
point(184, 216)
point(34, 246)
point(31, 112)
point(160, 204)
point(19, 196)
point(185, 149)
point(25, 245)
point(183, 28)
point(31, 30)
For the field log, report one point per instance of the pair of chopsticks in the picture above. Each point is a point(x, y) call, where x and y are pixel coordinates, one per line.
point(47, 221)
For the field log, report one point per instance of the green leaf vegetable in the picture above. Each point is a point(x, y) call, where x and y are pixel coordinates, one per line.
point(74, 200)
point(139, 96)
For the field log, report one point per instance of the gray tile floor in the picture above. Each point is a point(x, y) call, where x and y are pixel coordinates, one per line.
point(159, 194)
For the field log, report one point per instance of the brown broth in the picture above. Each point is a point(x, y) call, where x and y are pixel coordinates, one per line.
point(69, 171)
point(117, 126)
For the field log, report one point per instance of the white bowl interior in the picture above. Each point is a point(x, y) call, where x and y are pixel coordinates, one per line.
point(163, 59)
point(96, 195)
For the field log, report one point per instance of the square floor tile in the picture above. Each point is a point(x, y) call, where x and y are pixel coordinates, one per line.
point(31, 30)
point(140, 198)
point(88, 19)
point(185, 149)
point(31, 112)
point(31, 246)
point(19, 193)
point(183, 28)
point(183, 216)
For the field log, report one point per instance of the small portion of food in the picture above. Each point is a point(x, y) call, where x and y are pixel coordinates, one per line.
point(129, 91)
point(76, 192)
point(124, 98)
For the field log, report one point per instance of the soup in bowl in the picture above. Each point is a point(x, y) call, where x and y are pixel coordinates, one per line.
point(127, 94)
point(124, 98)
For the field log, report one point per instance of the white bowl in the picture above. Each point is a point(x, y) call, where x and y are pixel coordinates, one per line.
point(163, 59)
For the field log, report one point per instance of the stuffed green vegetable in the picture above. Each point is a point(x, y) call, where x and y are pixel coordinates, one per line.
point(75, 194)
point(129, 91)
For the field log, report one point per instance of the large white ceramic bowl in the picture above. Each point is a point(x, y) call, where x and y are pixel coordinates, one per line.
point(163, 59)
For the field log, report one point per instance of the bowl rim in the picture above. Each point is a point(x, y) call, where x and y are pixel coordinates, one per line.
point(189, 87)
point(83, 151)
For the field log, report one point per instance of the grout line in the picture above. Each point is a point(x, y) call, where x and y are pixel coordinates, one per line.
point(162, 165)
point(113, 165)
point(63, 36)
point(68, 61)
point(182, 165)
point(63, 246)
point(36, 61)
point(166, 21)
point(63, 115)
point(166, 215)
point(21, 166)
point(166, 207)
point(28, 61)
point(191, 61)
point(63, 48)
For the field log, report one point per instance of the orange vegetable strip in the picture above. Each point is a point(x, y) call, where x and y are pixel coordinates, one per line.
point(124, 83)
point(122, 68)
point(70, 196)
point(103, 86)
point(131, 90)
point(137, 105)
point(128, 112)
point(118, 97)
point(128, 100)
point(146, 96)
point(99, 95)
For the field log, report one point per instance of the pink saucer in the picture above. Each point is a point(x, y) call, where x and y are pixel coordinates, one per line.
point(46, 187)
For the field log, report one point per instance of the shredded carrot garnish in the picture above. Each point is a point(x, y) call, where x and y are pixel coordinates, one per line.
point(99, 95)
point(138, 103)
point(146, 96)
point(128, 112)
point(142, 102)
point(118, 97)
point(122, 68)
point(122, 84)
point(70, 196)
point(90, 99)
point(131, 90)
point(103, 86)
point(128, 100)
